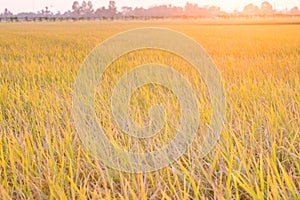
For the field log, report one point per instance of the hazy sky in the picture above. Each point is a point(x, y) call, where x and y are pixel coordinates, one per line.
point(63, 5)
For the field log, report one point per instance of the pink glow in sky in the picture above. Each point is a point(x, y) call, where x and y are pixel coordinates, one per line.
point(17, 6)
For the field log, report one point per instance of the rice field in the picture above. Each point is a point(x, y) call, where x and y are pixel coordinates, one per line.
point(257, 156)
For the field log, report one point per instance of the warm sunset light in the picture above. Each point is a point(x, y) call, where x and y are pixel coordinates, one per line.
point(158, 99)
point(64, 5)
point(86, 10)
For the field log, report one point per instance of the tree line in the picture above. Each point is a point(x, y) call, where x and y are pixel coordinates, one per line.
point(85, 11)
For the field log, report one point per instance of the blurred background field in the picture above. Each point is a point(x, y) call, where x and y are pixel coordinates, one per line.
point(257, 156)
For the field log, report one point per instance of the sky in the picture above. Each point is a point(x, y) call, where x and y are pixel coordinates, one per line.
point(17, 6)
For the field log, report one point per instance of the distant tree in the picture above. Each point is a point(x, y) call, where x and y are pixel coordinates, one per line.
point(295, 11)
point(90, 7)
point(112, 8)
point(86, 8)
point(191, 9)
point(100, 11)
point(251, 9)
point(103, 12)
point(7, 13)
point(266, 8)
point(47, 11)
point(176, 11)
point(139, 12)
point(126, 10)
point(214, 10)
point(158, 11)
point(83, 7)
point(76, 7)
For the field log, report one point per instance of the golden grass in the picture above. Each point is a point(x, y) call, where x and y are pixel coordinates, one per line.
point(257, 156)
